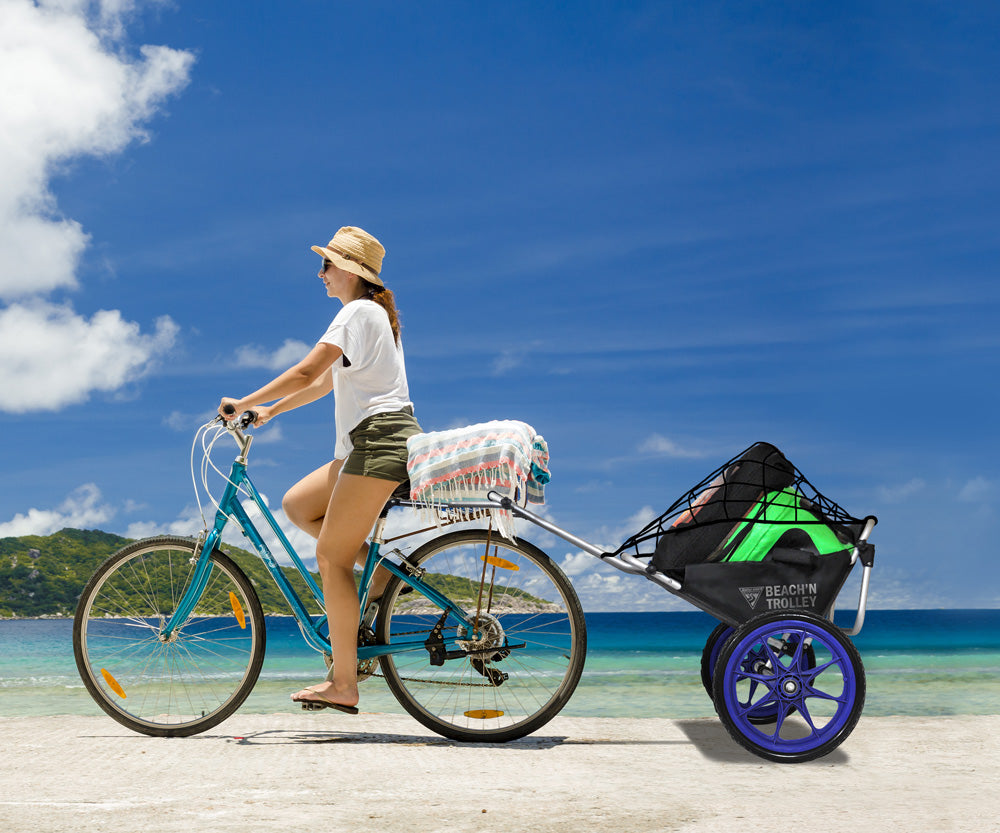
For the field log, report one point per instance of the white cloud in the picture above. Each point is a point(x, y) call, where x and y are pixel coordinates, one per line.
point(900, 492)
point(639, 520)
point(70, 89)
point(898, 588)
point(583, 566)
point(977, 490)
point(577, 563)
point(658, 444)
point(187, 524)
point(51, 357)
point(66, 93)
point(271, 433)
point(82, 509)
point(186, 423)
point(290, 353)
point(303, 543)
point(508, 360)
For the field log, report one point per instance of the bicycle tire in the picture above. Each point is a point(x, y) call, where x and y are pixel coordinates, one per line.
point(194, 680)
point(710, 655)
point(527, 657)
point(716, 641)
point(818, 701)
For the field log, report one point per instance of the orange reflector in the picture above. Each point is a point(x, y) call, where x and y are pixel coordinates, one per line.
point(496, 561)
point(238, 610)
point(112, 683)
point(483, 714)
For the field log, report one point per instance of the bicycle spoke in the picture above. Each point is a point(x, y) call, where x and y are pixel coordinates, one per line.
point(177, 683)
point(523, 601)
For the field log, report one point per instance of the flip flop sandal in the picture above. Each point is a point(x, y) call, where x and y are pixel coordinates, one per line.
point(322, 703)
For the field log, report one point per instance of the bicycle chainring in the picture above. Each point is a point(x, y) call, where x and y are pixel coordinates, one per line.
point(366, 667)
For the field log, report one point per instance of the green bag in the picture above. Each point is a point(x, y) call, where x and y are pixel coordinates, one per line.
point(780, 519)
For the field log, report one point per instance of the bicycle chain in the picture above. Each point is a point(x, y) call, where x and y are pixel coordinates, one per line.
point(439, 682)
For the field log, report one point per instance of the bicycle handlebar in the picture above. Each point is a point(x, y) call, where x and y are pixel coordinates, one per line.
point(247, 418)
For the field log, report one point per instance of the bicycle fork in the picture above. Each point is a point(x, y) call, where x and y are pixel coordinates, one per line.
point(202, 572)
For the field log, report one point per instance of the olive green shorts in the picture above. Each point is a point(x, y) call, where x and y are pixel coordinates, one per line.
point(380, 445)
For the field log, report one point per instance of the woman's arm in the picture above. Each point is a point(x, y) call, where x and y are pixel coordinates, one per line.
point(318, 389)
point(307, 378)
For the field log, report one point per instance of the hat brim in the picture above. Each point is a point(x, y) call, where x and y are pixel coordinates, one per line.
point(351, 266)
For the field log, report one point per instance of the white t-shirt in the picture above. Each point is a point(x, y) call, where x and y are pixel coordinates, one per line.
point(374, 378)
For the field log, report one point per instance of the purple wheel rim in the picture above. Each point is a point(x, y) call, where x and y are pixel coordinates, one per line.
point(767, 712)
point(767, 670)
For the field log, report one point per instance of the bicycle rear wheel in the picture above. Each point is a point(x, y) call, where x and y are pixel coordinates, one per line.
point(525, 649)
point(183, 684)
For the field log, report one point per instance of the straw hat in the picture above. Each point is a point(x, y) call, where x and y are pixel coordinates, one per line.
point(354, 250)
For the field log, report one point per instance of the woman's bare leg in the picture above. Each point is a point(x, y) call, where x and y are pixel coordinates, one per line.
point(306, 502)
point(353, 509)
point(306, 505)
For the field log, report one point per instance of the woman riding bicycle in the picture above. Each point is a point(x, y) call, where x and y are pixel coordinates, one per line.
point(360, 359)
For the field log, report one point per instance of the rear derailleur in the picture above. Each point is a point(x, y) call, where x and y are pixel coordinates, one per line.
point(479, 657)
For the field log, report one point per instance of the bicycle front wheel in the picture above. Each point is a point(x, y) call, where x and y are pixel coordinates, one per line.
point(515, 663)
point(167, 686)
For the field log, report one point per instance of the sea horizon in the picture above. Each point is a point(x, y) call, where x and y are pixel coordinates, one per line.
point(639, 664)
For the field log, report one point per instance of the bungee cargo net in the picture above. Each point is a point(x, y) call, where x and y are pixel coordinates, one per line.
point(754, 535)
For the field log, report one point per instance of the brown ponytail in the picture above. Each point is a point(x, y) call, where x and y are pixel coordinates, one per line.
point(385, 299)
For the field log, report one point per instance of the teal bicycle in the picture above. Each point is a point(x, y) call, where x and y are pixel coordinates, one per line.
point(489, 645)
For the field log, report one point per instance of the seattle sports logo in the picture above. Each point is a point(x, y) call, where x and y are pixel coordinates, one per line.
point(782, 596)
point(752, 595)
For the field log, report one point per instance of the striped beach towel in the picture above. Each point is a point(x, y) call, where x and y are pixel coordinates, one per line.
point(464, 464)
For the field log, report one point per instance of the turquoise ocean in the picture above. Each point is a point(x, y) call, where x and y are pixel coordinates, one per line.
point(918, 662)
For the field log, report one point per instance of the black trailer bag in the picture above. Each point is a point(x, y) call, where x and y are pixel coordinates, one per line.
point(756, 503)
point(696, 533)
point(754, 535)
point(736, 592)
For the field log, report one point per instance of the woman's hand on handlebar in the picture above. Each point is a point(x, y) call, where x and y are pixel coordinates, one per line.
point(230, 409)
point(263, 414)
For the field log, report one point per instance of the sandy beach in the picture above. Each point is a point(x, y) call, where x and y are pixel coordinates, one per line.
point(307, 772)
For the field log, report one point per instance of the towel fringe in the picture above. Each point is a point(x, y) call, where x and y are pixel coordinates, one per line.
point(463, 465)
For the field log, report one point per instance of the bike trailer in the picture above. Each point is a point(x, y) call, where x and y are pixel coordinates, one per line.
point(754, 536)
point(758, 547)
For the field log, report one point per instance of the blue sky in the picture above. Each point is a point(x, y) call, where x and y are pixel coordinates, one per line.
point(657, 232)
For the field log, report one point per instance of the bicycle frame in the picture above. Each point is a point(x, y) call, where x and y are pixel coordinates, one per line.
point(230, 507)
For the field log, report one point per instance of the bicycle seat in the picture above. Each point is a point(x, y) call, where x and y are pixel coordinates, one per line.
point(401, 492)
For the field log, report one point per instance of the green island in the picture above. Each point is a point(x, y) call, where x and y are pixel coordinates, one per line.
point(43, 576)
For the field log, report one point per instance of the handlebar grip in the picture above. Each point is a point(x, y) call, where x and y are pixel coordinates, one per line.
point(247, 418)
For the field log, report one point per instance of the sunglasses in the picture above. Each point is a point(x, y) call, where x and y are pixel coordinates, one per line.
point(326, 265)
